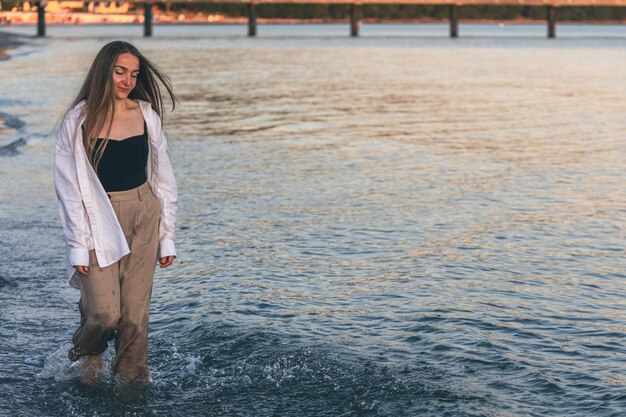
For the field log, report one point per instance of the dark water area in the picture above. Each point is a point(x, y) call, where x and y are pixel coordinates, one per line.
point(387, 226)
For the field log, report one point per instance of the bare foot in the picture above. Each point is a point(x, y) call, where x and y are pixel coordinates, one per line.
point(91, 370)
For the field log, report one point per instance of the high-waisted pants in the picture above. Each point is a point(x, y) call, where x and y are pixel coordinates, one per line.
point(115, 300)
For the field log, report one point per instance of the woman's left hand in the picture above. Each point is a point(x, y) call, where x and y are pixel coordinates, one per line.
point(166, 261)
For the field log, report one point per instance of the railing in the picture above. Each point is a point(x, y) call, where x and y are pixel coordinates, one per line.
point(355, 10)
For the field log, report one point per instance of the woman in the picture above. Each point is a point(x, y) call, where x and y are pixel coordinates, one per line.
point(117, 200)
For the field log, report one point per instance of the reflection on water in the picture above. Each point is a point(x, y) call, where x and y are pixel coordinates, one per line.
point(382, 228)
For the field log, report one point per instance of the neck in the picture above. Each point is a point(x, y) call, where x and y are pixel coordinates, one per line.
point(121, 105)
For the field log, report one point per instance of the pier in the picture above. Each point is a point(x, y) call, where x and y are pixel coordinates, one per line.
point(354, 18)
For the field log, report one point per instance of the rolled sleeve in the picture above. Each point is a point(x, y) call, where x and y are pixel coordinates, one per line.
point(78, 256)
point(167, 248)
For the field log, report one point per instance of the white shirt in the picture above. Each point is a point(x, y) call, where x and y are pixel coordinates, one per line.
point(87, 215)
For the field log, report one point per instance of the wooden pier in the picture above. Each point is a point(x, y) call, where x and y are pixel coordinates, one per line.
point(355, 8)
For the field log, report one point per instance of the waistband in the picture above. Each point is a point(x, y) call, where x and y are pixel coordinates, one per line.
point(138, 193)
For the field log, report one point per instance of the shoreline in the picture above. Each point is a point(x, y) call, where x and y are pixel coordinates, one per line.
point(9, 41)
point(8, 123)
point(9, 19)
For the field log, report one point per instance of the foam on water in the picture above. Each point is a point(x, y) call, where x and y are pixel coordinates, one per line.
point(220, 369)
point(58, 367)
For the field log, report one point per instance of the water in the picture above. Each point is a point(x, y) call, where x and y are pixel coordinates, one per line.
point(396, 225)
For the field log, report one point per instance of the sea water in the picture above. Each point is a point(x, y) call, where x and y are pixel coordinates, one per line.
point(400, 224)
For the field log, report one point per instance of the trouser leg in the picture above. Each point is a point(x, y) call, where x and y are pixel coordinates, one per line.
point(131, 344)
point(136, 276)
point(99, 307)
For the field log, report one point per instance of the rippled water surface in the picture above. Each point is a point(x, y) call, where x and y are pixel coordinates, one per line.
point(395, 225)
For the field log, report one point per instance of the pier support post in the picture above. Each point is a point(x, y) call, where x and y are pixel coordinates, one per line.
point(355, 16)
point(454, 20)
point(251, 19)
point(551, 18)
point(147, 20)
point(41, 19)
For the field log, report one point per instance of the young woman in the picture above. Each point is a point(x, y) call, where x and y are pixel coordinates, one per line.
point(117, 200)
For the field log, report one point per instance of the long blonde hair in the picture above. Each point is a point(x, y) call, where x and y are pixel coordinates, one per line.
point(97, 92)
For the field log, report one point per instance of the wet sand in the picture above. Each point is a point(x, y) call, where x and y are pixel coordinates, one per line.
point(9, 124)
point(9, 41)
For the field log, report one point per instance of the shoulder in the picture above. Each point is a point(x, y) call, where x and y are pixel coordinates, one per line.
point(67, 129)
point(147, 110)
point(152, 118)
point(73, 115)
point(77, 111)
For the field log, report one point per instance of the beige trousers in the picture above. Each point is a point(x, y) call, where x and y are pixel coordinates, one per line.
point(115, 301)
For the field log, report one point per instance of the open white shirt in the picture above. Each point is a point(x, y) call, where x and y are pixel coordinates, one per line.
point(87, 215)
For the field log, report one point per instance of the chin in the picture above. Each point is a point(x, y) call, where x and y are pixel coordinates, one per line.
point(121, 94)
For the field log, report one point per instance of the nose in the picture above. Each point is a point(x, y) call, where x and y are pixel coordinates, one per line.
point(126, 80)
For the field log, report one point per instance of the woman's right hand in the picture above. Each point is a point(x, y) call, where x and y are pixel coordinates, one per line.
point(83, 270)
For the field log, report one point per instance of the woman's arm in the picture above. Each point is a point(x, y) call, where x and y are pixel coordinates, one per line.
point(168, 196)
point(71, 208)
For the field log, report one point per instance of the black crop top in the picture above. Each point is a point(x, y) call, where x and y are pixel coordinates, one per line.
point(123, 163)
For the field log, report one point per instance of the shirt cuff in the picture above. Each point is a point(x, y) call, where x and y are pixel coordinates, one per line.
point(167, 248)
point(79, 256)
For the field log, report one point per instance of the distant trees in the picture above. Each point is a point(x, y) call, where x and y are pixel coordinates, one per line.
point(403, 11)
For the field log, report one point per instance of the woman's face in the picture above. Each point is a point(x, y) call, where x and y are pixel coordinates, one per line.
point(125, 73)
